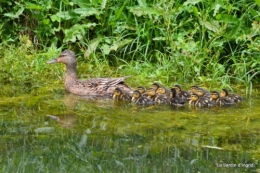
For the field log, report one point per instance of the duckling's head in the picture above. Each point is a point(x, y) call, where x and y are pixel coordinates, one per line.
point(200, 92)
point(161, 90)
point(141, 89)
point(117, 92)
point(214, 95)
point(155, 86)
point(224, 93)
point(193, 88)
point(177, 88)
point(194, 97)
point(151, 92)
point(173, 92)
point(136, 94)
point(66, 57)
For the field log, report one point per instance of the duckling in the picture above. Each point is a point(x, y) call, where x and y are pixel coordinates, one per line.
point(142, 90)
point(137, 98)
point(181, 93)
point(162, 95)
point(222, 101)
point(197, 101)
point(175, 100)
point(163, 91)
point(155, 86)
point(101, 87)
point(119, 94)
point(193, 89)
point(151, 93)
point(203, 93)
point(234, 97)
point(161, 99)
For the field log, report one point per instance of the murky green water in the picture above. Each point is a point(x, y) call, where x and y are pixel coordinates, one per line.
point(60, 132)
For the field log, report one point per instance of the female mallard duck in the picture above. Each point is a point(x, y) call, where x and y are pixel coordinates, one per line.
point(181, 93)
point(119, 94)
point(175, 100)
point(103, 87)
point(222, 101)
point(151, 93)
point(137, 98)
point(197, 101)
point(233, 97)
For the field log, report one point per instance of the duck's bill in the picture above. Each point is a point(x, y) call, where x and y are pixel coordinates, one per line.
point(52, 61)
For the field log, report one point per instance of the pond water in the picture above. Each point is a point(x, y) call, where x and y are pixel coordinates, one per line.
point(61, 132)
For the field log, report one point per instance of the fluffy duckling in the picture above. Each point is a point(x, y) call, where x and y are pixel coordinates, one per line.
point(163, 91)
point(203, 93)
point(222, 101)
point(155, 86)
point(151, 93)
point(175, 100)
point(181, 93)
point(162, 95)
point(234, 97)
point(119, 94)
point(193, 89)
point(142, 90)
point(197, 101)
point(137, 98)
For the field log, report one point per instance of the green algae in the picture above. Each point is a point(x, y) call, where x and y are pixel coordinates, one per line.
point(59, 132)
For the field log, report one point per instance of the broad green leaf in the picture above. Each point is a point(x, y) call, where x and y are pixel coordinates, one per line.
point(212, 25)
point(216, 9)
point(76, 32)
point(15, 15)
point(65, 15)
point(142, 3)
point(257, 2)
point(33, 6)
point(140, 11)
point(104, 3)
point(193, 2)
point(227, 18)
point(105, 49)
point(94, 43)
point(86, 11)
point(121, 44)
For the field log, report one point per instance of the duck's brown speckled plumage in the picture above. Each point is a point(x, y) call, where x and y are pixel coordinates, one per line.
point(103, 87)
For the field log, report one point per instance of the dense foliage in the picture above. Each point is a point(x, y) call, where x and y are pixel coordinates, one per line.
point(198, 41)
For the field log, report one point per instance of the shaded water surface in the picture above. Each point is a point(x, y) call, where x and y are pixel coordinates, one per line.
point(60, 132)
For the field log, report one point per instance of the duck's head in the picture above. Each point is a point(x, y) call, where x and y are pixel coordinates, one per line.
point(161, 90)
point(200, 92)
point(117, 93)
point(155, 86)
point(151, 92)
point(194, 97)
point(141, 89)
point(136, 94)
point(177, 88)
point(193, 88)
point(173, 92)
point(224, 93)
point(214, 95)
point(66, 57)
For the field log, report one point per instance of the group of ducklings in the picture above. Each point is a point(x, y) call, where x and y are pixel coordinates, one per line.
point(196, 96)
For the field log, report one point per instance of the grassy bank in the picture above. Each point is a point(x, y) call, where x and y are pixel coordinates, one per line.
point(210, 43)
point(24, 69)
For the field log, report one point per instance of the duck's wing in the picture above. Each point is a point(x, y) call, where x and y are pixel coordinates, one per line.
point(107, 81)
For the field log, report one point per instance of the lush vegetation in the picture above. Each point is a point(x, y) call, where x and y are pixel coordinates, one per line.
point(211, 43)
